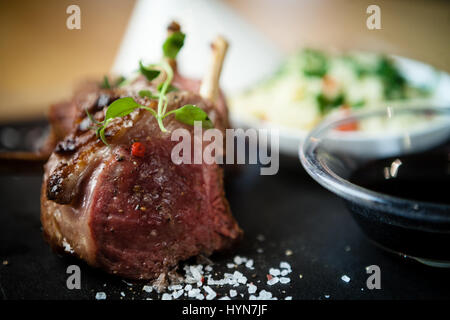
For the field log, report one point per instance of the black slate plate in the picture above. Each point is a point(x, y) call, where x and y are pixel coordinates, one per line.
point(290, 210)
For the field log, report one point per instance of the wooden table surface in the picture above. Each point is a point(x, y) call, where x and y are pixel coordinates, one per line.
point(41, 60)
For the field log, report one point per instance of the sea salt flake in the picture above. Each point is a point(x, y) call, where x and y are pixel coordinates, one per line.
point(200, 297)
point(243, 280)
point(237, 275)
point(196, 273)
point(285, 280)
point(193, 293)
point(175, 287)
point(274, 272)
point(100, 296)
point(67, 246)
point(264, 295)
point(273, 281)
point(239, 260)
point(285, 265)
point(211, 296)
point(147, 289)
point(177, 294)
point(208, 290)
point(166, 296)
point(251, 288)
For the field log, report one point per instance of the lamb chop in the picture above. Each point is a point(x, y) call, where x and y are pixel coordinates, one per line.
point(114, 198)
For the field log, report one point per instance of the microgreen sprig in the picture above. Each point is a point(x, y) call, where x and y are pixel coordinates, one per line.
point(187, 114)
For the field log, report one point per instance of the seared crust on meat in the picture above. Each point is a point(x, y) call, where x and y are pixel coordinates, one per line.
point(91, 207)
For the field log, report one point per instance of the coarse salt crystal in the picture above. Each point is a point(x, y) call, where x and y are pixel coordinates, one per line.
point(208, 290)
point(243, 280)
point(166, 296)
point(274, 272)
point(196, 273)
point(225, 298)
point(284, 272)
point(288, 298)
point(177, 294)
point(233, 293)
point(100, 296)
point(231, 265)
point(239, 260)
point(67, 246)
point(147, 289)
point(273, 281)
point(200, 297)
point(264, 295)
point(345, 278)
point(122, 294)
point(211, 296)
point(251, 288)
point(285, 265)
point(285, 280)
point(249, 264)
point(193, 292)
point(175, 287)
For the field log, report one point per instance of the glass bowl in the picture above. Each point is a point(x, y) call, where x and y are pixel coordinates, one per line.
point(391, 166)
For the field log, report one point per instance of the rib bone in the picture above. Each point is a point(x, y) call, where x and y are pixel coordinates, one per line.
point(210, 84)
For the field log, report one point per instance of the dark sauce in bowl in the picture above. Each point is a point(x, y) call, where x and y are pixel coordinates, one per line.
point(419, 181)
point(423, 177)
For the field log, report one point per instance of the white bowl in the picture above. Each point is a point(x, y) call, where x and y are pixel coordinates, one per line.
point(416, 72)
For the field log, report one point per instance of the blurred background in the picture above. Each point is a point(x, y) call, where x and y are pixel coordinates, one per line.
point(41, 60)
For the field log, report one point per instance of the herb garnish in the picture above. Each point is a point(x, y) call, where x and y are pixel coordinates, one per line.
point(326, 104)
point(148, 94)
point(150, 74)
point(173, 44)
point(187, 114)
point(105, 84)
